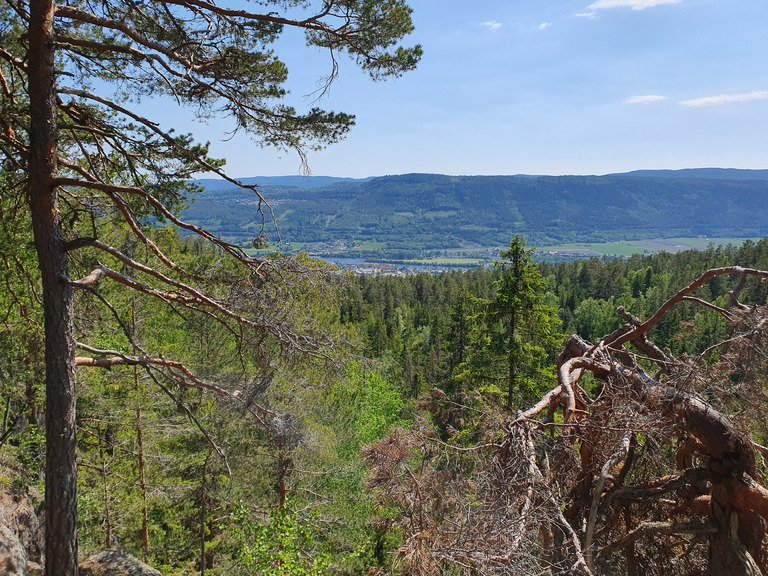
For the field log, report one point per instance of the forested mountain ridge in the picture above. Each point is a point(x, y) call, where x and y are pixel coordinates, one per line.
point(292, 181)
point(405, 214)
point(703, 173)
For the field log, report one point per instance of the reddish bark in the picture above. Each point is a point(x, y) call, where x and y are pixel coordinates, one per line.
point(737, 505)
point(61, 443)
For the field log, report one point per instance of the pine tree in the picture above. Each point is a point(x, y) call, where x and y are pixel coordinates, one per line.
point(89, 158)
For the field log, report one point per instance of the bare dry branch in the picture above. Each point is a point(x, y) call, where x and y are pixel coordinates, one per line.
point(641, 330)
point(616, 458)
point(659, 528)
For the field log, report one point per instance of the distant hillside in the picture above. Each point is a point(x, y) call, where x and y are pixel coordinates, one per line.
point(703, 174)
point(404, 215)
point(306, 182)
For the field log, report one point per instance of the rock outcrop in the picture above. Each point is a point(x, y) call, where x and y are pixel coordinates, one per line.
point(13, 557)
point(17, 513)
point(115, 563)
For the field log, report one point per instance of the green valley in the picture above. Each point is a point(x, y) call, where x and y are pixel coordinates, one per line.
point(417, 216)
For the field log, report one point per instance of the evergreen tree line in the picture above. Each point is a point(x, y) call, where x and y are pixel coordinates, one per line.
point(530, 453)
point(424, 324)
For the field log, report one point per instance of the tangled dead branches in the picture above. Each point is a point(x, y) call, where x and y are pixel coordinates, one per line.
point(615, 471)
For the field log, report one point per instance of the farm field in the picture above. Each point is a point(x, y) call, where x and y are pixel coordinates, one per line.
point(630, 247)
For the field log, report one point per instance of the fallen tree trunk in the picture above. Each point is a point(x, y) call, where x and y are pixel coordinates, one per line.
point(738, 502)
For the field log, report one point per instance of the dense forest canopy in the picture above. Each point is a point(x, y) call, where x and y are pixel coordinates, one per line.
point(653, 465)
point(423, 381)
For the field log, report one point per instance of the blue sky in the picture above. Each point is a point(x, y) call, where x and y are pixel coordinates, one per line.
point(543, 87)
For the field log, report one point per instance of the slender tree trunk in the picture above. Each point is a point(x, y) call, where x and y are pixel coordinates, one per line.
point(282, 484)
point(61, 443)
point(33, 409)
point(142, 474)
point(512, 356)
point(107, 516)
point(512, 327)
point(140, 448)
point(204, 517)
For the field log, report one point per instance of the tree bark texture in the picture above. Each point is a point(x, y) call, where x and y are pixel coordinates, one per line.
point(739, 505)
point(61, 447)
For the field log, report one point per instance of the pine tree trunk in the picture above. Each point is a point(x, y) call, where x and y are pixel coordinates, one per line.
point(142, 472)
point(61, 447)
point(511, 355)
point(140, 449)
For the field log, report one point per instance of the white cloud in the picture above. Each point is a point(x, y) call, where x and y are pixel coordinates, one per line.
point(634, 4)
point(724, 99)
point(544, 25)
point(646, 99)
point(492, 25)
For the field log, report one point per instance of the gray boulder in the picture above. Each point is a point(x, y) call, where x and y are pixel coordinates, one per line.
point(115, 563)
point(13, 557)
point(17, 513)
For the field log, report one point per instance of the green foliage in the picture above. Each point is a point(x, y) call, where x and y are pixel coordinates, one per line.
point(31, 450)
point(368, 407)
point(516, 333)
point(420, 333)
point(21, 334)
point(281, 545)
point(424, 324)
point(593, 319)
point(432, 324)
point(178, 324)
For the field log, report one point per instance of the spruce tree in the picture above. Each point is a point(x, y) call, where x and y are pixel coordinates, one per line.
point(518, 330)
